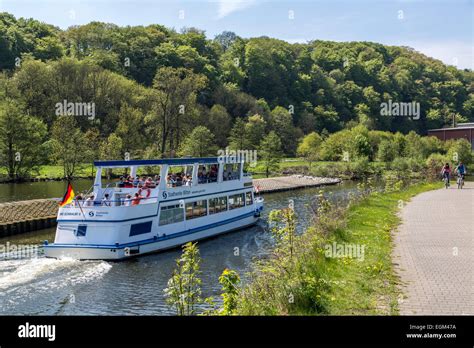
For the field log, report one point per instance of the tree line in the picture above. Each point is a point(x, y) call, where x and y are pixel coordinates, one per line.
point(157, 92)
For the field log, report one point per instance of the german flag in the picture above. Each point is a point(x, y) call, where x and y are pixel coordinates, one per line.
point(68, 196)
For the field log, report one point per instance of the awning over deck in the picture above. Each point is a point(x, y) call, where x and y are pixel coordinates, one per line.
point(156, 162)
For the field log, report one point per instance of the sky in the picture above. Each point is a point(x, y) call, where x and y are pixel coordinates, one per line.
point(443, 29)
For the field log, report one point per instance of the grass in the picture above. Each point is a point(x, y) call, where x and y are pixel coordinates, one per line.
point(370, 286)
point(318, 284)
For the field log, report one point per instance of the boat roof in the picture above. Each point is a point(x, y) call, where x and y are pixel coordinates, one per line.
point(155, 162)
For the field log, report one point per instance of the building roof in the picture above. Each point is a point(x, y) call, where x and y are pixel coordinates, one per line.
point(153, 162)
point(451, 128)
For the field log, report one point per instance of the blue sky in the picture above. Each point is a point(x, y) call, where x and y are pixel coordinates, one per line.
point(443, 29)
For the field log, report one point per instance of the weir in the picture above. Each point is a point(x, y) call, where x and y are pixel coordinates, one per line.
point(26, 216)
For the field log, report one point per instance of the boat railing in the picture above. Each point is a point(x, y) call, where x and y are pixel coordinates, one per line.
point(112, 202)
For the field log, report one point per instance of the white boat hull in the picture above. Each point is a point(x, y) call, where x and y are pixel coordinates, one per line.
point(125, 251)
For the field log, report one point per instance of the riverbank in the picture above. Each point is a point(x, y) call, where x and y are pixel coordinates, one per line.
point(50, 173)
point(342, 265)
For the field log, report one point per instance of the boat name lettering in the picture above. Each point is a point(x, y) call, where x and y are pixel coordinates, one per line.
point(168, 194)
point(70, 214)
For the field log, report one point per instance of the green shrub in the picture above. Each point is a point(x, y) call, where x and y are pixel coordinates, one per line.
point(460, 150)
point(360, 168)
point(400, 164)
point(434, 164)
point(387, 151)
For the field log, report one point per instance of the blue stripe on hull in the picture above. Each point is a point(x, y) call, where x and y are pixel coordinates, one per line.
point(153, 240)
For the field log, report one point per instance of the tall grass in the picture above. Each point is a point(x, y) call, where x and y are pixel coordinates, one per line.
point(311, 282)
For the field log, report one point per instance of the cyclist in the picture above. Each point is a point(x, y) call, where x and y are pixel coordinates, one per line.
point(446, 171)
point(461, 170)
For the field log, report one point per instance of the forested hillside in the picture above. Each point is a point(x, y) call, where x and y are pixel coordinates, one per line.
point(154, 90)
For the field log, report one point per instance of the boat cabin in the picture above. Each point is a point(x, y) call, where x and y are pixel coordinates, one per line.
point(166, 178)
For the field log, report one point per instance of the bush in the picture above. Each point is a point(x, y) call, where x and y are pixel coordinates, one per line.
point(360, 168)
point(460, 150)
point(387, 151)
point(400, 164)
point(434, 163)
point(416, 164)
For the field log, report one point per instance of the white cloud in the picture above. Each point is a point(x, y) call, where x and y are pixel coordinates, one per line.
point(226, 7)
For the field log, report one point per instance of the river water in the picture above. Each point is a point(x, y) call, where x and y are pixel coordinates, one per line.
point(41, 286)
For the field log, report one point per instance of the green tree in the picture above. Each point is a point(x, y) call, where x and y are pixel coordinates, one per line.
point(269, 153)
point(21, 137)
point(309, 147)
point(131, 129)
point(281, 123)
point(219, 123)
point(173, 104)
point(254, 131)
point(200, 143)
point(92, 140)
point(111, 149)
point(238, 137)
point(69, 147)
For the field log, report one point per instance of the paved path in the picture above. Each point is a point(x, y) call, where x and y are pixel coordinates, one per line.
point(434, 253)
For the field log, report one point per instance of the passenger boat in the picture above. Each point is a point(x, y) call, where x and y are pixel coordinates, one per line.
point(218, 198)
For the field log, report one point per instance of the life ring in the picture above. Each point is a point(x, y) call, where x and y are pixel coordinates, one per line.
point(148, 191)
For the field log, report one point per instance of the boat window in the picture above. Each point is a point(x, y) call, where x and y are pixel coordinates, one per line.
point(231, 171)
point(171, 214)
point(179, 176)
point(196, 209)
point(248, 198)
point(217, 205)
point(140, 228)
point(236, 201)
point(207, 173)
point(81, 230)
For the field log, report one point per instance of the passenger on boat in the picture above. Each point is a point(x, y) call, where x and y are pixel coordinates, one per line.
point(127, 201)
point(136, 180)
point(121, 183)
point(136, 199)
point(106, 201)
point(187, 180)
point(78, 200)
point(89, 201)
point(149, 183)
point(179, 179)
point(170, 182)
point(156, 179)
point(128, 182)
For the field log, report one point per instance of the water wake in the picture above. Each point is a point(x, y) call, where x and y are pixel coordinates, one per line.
point(22, 280)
